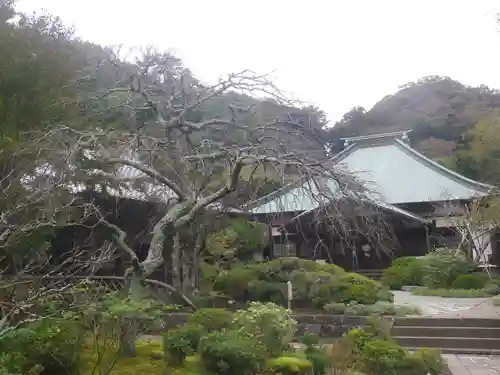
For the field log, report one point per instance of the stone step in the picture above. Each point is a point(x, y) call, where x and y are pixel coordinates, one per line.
point(446, 322)
point(449, 342)
point(422, 331)
point(490, 352)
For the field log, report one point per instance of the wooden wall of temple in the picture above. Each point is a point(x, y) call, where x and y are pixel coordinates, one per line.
point(310, 242)
point(136, 218)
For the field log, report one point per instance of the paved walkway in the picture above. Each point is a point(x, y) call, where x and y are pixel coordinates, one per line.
point(449, 307)
point(464, 308)
point(472, 365)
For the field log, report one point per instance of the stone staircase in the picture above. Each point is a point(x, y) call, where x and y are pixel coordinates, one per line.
point(451, 335)
point(374, 274)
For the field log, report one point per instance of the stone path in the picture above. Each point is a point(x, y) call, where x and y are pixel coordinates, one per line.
point(458, 307)
point(472, 365)
point(449, 307)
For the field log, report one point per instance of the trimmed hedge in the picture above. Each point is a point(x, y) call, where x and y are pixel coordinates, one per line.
point(212, 319)
point(404, 271)
point(314, 284)
point(471, 281)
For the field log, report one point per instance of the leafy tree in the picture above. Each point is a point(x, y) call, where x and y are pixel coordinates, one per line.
point(482, 158)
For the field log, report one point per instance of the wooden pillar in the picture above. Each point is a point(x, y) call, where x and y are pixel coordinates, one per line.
point(427, 239)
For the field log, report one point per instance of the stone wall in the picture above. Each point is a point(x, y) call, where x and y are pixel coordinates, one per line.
point(324, 325)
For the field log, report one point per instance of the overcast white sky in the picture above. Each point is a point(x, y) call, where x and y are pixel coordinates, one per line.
point(332, 53)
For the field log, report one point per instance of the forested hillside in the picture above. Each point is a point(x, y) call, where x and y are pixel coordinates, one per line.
point(450, 123)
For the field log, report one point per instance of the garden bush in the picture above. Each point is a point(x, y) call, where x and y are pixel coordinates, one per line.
point(271, 324)
point(431, 357)
point(288, 365)
point(495, 281)
point(492, 289)
point(180, 342)
point(443, 266)
point(234, 282)
point(403, 271)
point(212, 319)
point(240, 239)
point(315, 353)
point(232, 352)
point(476, 280)
point(382, 357)
point(49, 346)
point(314, 284)
point(376, 353)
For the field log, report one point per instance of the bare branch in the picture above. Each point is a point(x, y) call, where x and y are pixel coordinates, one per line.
point(150, 172)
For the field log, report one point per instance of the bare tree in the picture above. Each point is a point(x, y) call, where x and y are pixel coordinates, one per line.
point(35, 202)
point(167, 144)
point(476, 227)
point(158, 134)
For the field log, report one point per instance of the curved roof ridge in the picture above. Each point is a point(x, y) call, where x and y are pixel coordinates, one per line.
point(442, 169)
point(345, 152)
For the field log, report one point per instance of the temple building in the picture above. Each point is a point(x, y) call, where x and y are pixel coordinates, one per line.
point(421, 201)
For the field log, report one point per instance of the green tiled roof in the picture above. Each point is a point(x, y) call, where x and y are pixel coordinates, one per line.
point(390, 168)
point(304, 196)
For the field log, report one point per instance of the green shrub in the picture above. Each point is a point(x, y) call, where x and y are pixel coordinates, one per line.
point(309, 339)
point(360, 289)
point(51, 346)
point(432, 359)
point(495, 281)
point(12, 364)
point(394, 277)
point(452, 293)
point(403, 271)
point(470, 281)
point(349, 287)
point(315, 353)
point(271, 324)
point(422, 362)
point(314, 284)
point(374, 352)
point(267, 291)
point(232, 352)
point(241, 238)
point(359, 338)
point(385, 294)
point(234, 282)
point(492, 289)
point(212, 319)
point(443, 266)
point(335, 308)
point(387, 308)
point(412, 365)
point(319, 359)
point(381, 357)
point(180, 342)
point(288, 365)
